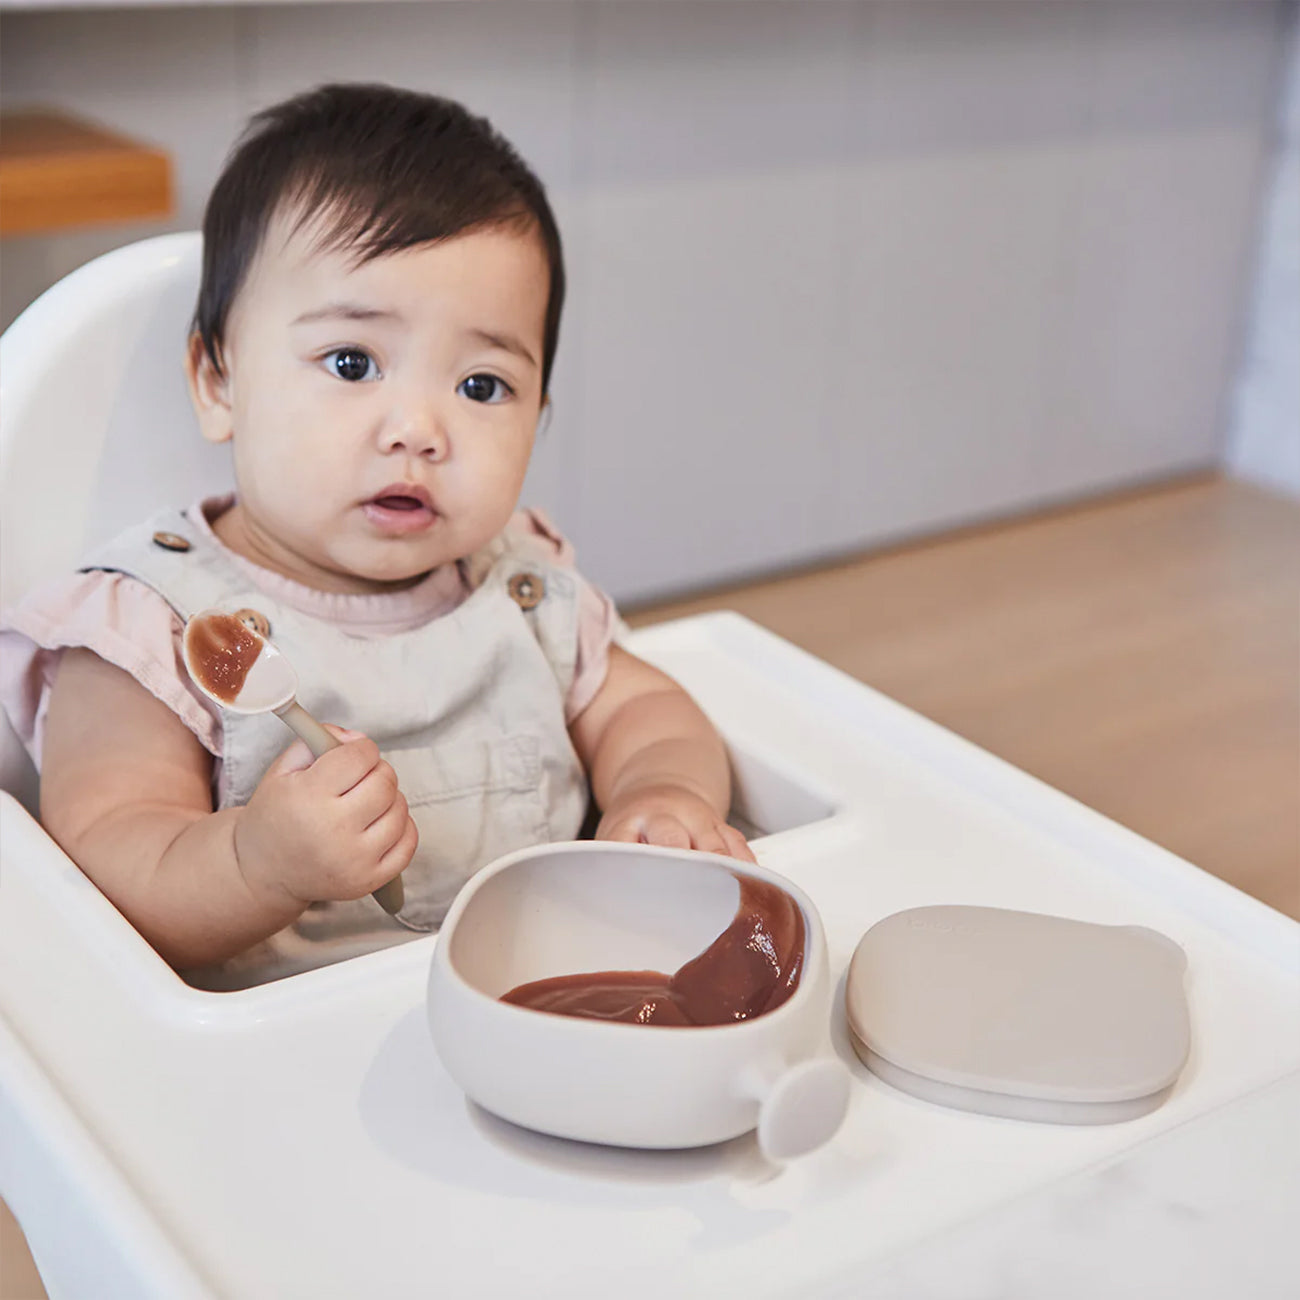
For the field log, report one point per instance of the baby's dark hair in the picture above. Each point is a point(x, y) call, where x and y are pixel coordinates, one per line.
point(382, 169)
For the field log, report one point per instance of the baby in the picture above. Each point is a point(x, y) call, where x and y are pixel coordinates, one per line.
point(376, 326)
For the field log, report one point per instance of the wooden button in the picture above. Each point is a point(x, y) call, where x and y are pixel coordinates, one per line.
point(255, 619)
point(527, 590)
point(172, 542)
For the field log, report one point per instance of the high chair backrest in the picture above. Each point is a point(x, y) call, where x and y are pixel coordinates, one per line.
point(96, 429)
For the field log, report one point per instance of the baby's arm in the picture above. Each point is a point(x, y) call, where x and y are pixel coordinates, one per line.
point(126, 791)
point(658, 769)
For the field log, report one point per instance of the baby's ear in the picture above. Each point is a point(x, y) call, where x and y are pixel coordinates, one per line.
point(209, 391)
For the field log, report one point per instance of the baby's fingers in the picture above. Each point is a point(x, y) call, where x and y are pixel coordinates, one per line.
point(662, 828)
point(343, 734)
point(339, 770)
point(642, 828)
point(736, 844)
point(297, 757)
point(718, 837)
point(371, 798)
point(623, 830)
point(383, 850)
point(708, 838)
point(384, 834)
point(398, 858)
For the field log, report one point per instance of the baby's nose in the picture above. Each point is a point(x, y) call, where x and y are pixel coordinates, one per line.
point(418, 431)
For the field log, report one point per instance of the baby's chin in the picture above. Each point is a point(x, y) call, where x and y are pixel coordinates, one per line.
point(367, 563)
point(380, 578)
point(363, 571)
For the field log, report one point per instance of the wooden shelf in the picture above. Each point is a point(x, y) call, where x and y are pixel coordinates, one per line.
point(58, 172)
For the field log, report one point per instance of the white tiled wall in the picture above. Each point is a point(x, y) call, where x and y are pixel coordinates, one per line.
point(841, 271)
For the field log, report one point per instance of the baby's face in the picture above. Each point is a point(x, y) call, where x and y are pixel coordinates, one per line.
point(381, 415)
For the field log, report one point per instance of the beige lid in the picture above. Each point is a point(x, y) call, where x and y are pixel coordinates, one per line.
point(1020, 1014)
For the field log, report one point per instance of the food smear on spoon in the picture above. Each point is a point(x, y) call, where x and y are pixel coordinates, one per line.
point(221, 650)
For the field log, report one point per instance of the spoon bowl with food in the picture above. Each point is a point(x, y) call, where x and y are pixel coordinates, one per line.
point(239, 670)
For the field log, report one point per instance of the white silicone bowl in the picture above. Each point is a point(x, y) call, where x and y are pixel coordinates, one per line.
point(562, 908)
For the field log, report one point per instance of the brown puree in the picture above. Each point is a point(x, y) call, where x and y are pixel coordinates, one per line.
point(220, 650)
point(751, 968)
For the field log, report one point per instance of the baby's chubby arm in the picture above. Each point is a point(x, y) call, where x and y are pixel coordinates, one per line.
point(126, 791)
point(658, 769)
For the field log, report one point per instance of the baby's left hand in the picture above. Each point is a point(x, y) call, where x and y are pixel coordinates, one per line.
point(673, 816)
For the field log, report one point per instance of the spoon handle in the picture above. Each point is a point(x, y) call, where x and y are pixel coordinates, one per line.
point(390, 896)
point(307, 729)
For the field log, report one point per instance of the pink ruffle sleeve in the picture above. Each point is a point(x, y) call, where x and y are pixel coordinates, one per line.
point(124, 622)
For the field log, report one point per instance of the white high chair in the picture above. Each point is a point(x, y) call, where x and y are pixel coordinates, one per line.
point(96, 428)
point(303, 1139)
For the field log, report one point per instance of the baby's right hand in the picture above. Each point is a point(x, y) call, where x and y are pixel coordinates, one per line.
point(333, 828)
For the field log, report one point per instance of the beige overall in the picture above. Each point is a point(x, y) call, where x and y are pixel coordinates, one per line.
point(468, 709)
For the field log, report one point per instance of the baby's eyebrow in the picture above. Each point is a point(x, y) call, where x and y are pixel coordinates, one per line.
point(506, 342)
point(345, 311)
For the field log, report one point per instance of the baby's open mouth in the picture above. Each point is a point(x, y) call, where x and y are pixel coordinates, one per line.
point(400, 508)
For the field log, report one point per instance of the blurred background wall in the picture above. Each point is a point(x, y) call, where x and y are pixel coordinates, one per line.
point(1264, 432)
point(842, 273)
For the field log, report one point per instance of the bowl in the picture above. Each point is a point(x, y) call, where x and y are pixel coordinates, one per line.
point(559, 909)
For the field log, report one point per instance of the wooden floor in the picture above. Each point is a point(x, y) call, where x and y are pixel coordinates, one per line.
point(1141, 653)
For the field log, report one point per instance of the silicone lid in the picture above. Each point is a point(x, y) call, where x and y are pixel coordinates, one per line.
point(1020, 1014)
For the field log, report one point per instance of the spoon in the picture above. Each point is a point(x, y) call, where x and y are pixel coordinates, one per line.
point(242, 672)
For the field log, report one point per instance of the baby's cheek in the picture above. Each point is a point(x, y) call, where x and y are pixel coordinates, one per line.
point(481, 494)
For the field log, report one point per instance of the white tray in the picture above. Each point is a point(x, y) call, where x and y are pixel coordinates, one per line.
point(302, 1140)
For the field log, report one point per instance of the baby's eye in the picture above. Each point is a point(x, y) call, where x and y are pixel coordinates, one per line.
point(485, 388)
point(351, 364)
